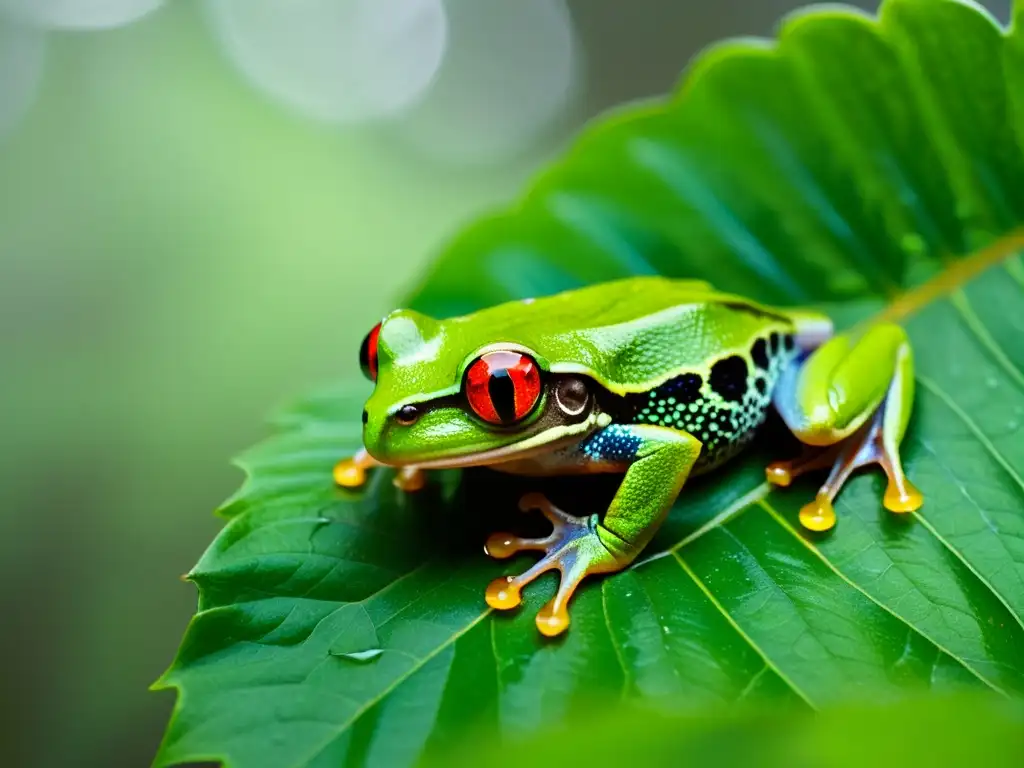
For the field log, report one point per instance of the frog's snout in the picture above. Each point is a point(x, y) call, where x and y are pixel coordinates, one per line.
point(381, 428)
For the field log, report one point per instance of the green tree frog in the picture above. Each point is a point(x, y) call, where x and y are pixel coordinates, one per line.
point(655, 378)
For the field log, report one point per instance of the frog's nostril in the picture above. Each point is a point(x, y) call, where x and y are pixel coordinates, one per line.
point(366, 416)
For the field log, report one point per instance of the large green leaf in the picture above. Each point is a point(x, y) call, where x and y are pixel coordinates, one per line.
point(872, 166)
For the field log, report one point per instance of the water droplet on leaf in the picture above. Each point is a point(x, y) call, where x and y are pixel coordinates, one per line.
point(360, 656)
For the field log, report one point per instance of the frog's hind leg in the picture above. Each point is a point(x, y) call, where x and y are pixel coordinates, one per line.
point(849, 402)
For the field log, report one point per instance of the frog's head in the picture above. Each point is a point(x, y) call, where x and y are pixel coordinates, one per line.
point(453, 393)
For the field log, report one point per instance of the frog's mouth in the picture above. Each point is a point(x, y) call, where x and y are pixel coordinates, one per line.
point(552, 439)
point(523, 449)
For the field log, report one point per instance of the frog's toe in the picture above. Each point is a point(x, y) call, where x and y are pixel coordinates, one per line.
point(538, 502)
point(351, 472)
point(503, 545)
point(901, 495)
point(505, 592)
point(818, 515)
point(783, 473)
point(410, 479)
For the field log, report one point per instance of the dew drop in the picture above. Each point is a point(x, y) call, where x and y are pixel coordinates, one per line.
point(361, 657)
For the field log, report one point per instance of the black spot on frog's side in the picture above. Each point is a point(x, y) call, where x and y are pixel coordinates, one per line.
point(673, 404)
point(729, 378)
point(685, 388)
point(759, 354)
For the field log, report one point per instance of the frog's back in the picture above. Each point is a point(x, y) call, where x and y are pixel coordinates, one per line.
point(611, 303)
point(631, 335)
point(709, 362)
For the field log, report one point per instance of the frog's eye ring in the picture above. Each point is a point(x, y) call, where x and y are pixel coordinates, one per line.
point(503, 387)
point(368, 353)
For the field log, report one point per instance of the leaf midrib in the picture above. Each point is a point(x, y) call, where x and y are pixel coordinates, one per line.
point(957, 273)
point(741, 632)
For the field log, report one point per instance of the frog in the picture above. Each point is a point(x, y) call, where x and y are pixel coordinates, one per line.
point(653, 378)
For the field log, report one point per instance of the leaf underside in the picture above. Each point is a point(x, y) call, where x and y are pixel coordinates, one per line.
point(870, 166)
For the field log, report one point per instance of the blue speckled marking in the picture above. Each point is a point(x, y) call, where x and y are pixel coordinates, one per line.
point(615, 443)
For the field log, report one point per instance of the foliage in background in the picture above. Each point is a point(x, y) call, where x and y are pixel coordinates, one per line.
point(937, 730)
point(872, 166)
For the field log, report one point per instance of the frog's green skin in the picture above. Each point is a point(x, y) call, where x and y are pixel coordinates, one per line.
point(652, 377)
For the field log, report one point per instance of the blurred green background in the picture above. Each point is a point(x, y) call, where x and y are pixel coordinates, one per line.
point(203, 208)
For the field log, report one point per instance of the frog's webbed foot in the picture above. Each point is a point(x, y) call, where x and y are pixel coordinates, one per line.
point(573, 547)
point(865, 446)
point(351, 473)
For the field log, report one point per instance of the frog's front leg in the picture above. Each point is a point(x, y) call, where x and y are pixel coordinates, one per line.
point(656, 461)
point(851, 399)
point(351, 473)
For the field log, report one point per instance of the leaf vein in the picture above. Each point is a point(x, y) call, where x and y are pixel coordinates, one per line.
point(773, 513)
point(740, 631)
point(977, 327)
point(615, 643)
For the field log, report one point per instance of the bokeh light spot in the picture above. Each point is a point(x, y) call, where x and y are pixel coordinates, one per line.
point(341, 61)
point(510, 71)
point(80, 14)
point(22, 53)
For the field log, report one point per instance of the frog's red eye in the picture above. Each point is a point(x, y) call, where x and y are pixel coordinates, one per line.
point(368, 353)
point(503, 387)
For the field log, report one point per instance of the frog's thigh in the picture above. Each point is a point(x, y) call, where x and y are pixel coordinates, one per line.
point(858, 393)
point(833, 391)
point(658, 462)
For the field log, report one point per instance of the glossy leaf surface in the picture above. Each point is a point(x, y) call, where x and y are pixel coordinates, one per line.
point(873, 167)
